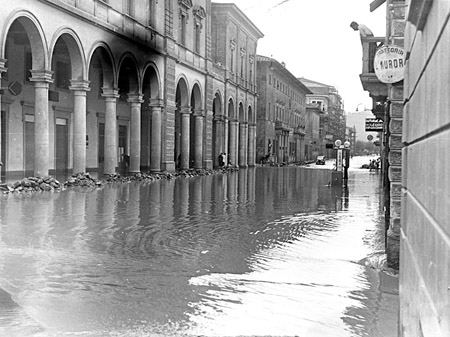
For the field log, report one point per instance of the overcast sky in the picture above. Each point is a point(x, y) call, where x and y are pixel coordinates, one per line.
point(314, 39)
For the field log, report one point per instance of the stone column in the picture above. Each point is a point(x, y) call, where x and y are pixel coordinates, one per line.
point(42, 80)
point(198, 141)
point(232, 141)
point(156, 142)
point(185, 137)
point(243, 144)
point(2, 70)
point(251, 144)
point(79, 89)
point(111, 96)
point(135, 101)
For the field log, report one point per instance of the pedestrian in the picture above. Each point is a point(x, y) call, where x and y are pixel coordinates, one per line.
point(364, 31)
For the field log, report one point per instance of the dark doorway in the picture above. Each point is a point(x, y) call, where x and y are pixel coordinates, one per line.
point(62, 144)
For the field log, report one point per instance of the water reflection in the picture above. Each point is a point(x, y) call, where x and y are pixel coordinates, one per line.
point(274, 249)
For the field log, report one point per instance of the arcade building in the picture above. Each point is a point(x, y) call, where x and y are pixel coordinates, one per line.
point(96, 85)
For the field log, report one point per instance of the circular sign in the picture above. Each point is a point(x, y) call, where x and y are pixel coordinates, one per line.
point(389, 64)
point(369, 137)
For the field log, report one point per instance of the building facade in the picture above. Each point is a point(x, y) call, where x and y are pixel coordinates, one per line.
point(111, 83)
point(388, 105)
point(234, 44)
point(425, 211)
point(282, 116)
point(332, 121)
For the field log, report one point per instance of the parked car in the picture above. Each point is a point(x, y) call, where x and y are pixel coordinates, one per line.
point(320, 160)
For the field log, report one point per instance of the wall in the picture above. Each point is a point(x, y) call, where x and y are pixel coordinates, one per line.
point(425, 225)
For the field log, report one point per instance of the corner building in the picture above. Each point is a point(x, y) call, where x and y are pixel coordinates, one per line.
point(332, 119)
point(282, 116)
point(102, 85)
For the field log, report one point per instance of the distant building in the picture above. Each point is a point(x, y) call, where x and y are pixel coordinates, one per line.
point(312, 138)
point(332, 120)
point(358, 120)
point(282, 120)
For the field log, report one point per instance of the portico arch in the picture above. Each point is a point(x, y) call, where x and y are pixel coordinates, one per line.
point(218, 131)
point(182, 114)
point(196, 129)
point(251, 151)
point(151, 125)
point(242, 136)
point(68, 64)
point(130, 100)
point(232, 133)
point(25, 52)
point(102, 98)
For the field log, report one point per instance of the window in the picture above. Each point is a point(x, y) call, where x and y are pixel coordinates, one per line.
point(128, 7)
point(197, 32)
point(183, 29)
point(152, 13)
point(270, 79)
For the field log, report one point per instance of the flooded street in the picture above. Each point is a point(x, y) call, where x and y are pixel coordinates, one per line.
point(262, 251)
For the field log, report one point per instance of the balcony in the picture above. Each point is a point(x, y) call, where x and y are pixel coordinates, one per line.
point(280, 126)
point(368, 78)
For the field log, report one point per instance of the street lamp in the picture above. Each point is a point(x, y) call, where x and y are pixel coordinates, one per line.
point(347, 160)
point(336, 175)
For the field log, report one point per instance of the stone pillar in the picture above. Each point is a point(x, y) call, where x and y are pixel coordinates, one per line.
point(198, 141)
point(156, 143)
point(135, 101)
point(79, 89)
point(243, 144)
point(185, 137)
point(251, 144)
point(2, 70)
point(232, 141)
point(42, 80)
point(111, 96)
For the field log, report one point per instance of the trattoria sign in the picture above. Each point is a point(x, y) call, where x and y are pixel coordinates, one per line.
point(389, 64)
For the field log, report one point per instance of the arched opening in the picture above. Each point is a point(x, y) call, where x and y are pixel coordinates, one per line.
point(242, 137)
point(181, 151)
point(151, 121)
point(218, 131)
point(196, 129)
point(24, 51)
point(67, 65)
point(251, 138)
point(101, 77)
point(128, 85)
point(232, 133)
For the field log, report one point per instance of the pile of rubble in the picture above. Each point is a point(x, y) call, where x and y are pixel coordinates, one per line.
point(83, 180)
point(37, 184)
point(32, 184)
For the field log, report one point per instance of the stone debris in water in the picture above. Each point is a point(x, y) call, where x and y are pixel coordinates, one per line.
point(38, 184)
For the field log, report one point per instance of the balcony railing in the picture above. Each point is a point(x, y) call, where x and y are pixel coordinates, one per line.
point(368, 78)
point(369, 46)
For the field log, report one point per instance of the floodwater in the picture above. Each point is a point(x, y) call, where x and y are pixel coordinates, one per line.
point(262, 251)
